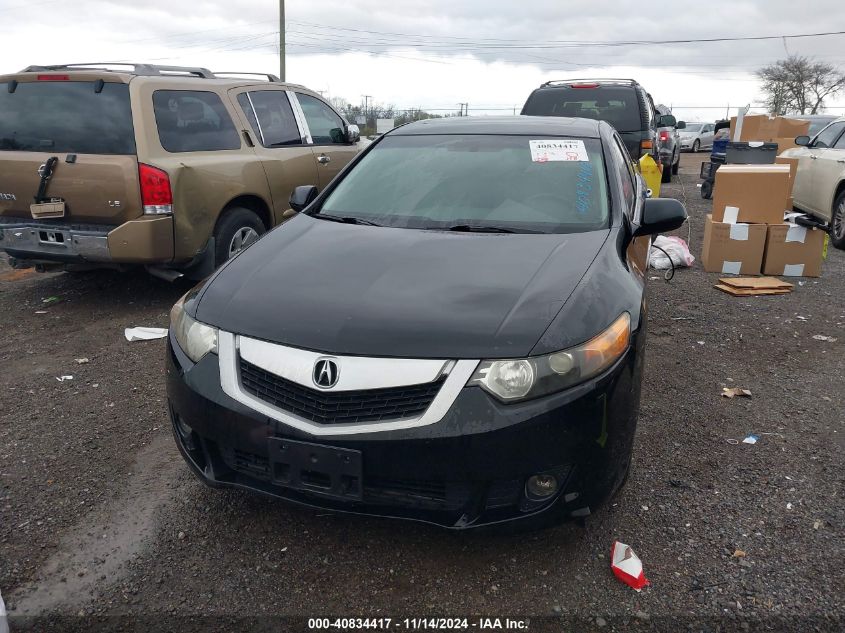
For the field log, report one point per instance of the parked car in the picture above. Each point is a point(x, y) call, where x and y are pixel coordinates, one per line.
point(819, 187)
point(669, 145)
point(173, 168)
point(697, 136)
point(452, 331)
point(623, 103)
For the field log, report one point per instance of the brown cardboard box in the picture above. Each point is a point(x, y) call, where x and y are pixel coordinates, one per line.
point(793, 169)
point(753, 193)
point(791, 127)
point(733, 249)
point(784, 142)
point(755, 127)
point(793, 251)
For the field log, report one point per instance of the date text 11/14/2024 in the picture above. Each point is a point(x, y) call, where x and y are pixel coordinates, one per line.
point(418, 624)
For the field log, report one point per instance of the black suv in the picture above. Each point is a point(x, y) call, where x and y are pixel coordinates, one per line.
point(623, 103)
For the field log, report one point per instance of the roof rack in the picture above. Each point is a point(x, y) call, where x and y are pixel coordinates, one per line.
point(136, 69)
point(556, 82)
point(273, 79)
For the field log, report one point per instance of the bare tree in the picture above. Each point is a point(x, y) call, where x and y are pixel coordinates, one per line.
point(799, 85)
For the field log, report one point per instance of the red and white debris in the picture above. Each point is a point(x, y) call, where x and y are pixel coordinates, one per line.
point(627, 566)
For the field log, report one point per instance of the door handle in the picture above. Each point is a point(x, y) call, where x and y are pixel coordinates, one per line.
point(323, 159)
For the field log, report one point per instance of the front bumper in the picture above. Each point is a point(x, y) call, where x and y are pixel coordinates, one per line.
point(141, 241)
point(467, 470)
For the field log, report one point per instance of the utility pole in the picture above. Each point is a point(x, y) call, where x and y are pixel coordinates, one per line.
point(462, 107)
point(282, 40)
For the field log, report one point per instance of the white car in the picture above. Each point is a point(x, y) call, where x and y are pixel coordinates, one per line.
point(697, 136)
point(820, 180)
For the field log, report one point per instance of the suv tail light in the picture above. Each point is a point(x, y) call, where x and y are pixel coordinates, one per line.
point(53, 78)
point(646, 145)
point(155, 190)
point(664, 135)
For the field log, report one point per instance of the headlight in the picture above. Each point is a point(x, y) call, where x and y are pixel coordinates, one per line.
point(520, 379)
point(196, 339)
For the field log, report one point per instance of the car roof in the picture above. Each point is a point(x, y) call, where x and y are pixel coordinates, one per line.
point(520, 125)
point(812, 117)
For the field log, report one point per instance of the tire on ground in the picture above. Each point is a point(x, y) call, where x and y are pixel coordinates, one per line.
point(676, 165)
point(696, 145)
point(232, 221)
point(667, 173)
point(837, 222)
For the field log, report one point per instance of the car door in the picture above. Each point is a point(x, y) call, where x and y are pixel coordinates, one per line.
point(327, 133)
point(281, 143)
point(829, 172)
point(807, 192)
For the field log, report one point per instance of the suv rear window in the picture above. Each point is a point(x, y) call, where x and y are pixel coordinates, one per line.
point(193, 121)
point(66, 117)
point(618, 105)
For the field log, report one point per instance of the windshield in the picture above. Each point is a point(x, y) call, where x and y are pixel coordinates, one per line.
point(67, 117)
point(817, 126)
point(619, 106)
point(692, 127)
point(511, 182)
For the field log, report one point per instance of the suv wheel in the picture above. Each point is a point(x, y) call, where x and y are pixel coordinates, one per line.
point(676, 165)
point(236, 229)
point(837, 222)
point(667, 173)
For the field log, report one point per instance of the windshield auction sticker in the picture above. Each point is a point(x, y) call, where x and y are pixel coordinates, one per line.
point(558, 150)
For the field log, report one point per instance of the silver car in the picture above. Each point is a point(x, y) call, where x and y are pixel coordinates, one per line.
point(697, 136)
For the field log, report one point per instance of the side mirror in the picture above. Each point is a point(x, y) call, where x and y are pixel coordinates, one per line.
point(681, 125)
point(302, 196)
point(802, 141)
point(661, 215)
point(666, 120)
point(353, 134)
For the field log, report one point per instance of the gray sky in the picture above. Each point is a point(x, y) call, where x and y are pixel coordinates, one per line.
point(436, 53)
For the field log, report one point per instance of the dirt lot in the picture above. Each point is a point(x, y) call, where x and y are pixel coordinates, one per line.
point(101, 523)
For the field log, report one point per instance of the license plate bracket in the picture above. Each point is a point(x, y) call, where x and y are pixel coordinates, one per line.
point(325, 470)
point(47, 210)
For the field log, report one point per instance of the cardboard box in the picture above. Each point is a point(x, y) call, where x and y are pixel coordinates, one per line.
point(751, 193)
point(733, 249)
point(784, 143)
point(793, 169)
point(791, 127)
point(793, 251)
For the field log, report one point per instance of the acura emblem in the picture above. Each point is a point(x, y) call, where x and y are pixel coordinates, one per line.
point(325, 373)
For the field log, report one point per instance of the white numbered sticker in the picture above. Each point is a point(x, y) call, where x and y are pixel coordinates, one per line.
point(558, 150)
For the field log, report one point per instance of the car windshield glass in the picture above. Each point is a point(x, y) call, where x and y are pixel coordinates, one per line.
point(692, 127)
point(619, 106)
point(817, 126)
point(67, 117)
point(450, 181)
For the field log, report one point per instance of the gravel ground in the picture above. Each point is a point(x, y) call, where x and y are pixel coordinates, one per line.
point(103, 527)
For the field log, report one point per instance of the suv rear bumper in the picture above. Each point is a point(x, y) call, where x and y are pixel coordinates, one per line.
point(143, 241)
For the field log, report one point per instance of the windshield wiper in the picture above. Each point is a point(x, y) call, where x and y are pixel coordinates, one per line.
point(472, 228)
point(344, 219)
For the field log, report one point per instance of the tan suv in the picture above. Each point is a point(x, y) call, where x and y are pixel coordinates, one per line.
point(173, 168)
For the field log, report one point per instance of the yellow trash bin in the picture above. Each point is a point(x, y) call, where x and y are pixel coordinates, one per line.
point(651, 174)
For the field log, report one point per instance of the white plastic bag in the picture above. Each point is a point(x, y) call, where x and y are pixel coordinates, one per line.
point(144, 333)
point(677, 250)
point(4, 624)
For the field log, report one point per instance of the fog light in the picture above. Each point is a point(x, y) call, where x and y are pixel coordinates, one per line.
point(541, 486)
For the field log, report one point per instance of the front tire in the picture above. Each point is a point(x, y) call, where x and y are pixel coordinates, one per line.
point(837, 222)
point(236, 229)
point(696, 145)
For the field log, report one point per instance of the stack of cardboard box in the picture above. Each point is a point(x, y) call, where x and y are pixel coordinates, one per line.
point(747, 232)
point(766, 129)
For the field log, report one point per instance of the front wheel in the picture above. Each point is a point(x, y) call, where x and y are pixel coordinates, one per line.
point(696, 145)
point(837, 222)
point(236, 229)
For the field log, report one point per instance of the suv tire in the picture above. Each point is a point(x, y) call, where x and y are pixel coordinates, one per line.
point(676, 165)
point(837, 222)
point(666, 174)
point(236, 229)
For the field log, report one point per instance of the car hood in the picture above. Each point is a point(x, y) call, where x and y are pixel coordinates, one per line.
point(378, 291)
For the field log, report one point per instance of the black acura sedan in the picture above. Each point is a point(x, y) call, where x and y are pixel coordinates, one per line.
point(452, 331)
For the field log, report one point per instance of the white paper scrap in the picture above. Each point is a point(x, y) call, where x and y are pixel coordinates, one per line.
point(731, 214)
point(144, 333)
point(739, 232)
point(796, 233)
point(558, 150)
point(731, 268)
point(793, 270)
